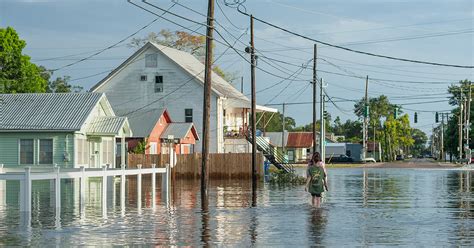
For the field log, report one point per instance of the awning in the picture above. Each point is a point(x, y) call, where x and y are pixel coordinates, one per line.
point(241, 103)
point(109, 125)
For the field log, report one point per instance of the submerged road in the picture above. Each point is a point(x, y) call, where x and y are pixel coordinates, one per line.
point(413, 163)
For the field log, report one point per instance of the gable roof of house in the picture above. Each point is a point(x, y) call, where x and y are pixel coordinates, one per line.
point(142, 122)
point(194, 68)
point(46, 111)
point(179, 130)
point(106, 125)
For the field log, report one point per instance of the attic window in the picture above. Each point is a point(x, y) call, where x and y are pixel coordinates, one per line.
point(143, 78)
point(151, 60)
point(158, 83)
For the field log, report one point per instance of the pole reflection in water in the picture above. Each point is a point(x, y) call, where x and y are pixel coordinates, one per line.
point(253, 225)
point(205, 229)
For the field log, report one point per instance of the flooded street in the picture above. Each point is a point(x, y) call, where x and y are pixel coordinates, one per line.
point(363, 207)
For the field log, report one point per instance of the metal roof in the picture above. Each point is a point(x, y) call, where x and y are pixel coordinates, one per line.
point(178, 130)
point(300, 140)
point(275, 138)
point(106, 125)
point(142, 122)
point(46, 111)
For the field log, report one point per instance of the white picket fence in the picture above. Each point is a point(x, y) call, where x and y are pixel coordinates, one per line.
point(28, 175)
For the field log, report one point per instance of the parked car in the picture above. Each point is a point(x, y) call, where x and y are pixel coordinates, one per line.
point(369, 160)
point(340, 159)
point(400, 157)
point(419, 156)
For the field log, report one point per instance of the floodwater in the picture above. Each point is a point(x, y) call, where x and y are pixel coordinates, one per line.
point(364, 207)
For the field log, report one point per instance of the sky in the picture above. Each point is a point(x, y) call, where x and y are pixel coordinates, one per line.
point(61, 32)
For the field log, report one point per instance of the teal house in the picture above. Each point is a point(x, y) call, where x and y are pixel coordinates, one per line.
point(65, 129)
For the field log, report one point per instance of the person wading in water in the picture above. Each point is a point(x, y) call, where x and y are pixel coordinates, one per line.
point(316, 179)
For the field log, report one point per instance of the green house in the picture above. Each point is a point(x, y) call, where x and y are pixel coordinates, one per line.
point(65, 129)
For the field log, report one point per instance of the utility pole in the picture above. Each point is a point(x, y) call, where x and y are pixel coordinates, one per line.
point(283, 147)
point(442, 137)
point(253, 110)
point(314, 97)
point(321, 119)
point(468, 125)
point(366, 115)
point(460, 123)
point(242, 85)
point(207, 100)
point(323, 155)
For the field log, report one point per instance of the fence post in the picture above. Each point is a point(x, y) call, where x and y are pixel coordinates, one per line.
point(122, 189)
point(25, 191)
point(82, 188)
point(139, 187)
point(165, 185)
point(104, 191)
point(153, 186)
point(57, 191)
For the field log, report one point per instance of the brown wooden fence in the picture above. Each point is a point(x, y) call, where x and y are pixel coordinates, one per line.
point(221, 165)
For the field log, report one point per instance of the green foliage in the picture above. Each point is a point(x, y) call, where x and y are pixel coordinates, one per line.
point(451, 135)
point(18, 74)
point(140, 148)
point(420, 140)
point(275, 123)
point(61, 85)
point(351, 130)
point(282, 178)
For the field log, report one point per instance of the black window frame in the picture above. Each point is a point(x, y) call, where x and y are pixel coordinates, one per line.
point(159, 84)
point(143, 78)
point(188, 115)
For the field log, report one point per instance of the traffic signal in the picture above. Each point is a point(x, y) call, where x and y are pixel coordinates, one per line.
point(437, 117)
point(326, 114)
point(395, 113)
point(416, 117)
point(366, 111)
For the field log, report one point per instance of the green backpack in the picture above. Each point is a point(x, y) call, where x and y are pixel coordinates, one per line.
point(316, 185)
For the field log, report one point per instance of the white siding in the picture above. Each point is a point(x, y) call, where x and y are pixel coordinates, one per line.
point(126, 92)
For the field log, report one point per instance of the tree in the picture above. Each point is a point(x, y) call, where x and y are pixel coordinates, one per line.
point(18, 74)
point(61, 85)
point(183, 41)
point(275, 123)
point(420, 140)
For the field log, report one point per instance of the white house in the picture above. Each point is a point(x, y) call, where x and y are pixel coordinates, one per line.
point(157, 76)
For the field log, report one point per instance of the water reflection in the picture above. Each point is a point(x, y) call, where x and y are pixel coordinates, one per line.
point(364, 207)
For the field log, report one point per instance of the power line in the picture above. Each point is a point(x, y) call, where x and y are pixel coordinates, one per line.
point(353, 50)
point(113, 45)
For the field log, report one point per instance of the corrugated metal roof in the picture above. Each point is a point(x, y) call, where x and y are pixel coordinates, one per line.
point(275, 138)
point(142, 122)
point(300, 140)
point(46, 111)
point(106, 125)
point(178, 130)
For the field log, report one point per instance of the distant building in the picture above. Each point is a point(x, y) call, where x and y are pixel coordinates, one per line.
point(160, 77)
point(155, 127)
point(64, 129)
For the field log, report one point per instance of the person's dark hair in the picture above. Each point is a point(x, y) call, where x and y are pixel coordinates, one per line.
point(316, 158)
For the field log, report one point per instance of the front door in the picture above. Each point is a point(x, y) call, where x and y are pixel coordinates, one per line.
point(94, 146)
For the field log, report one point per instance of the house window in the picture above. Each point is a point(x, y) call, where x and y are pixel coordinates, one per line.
point(188, 115)
point(153, 147)
point(151, 60)
point(45, 151)
point(26, 151)
point(143, 78)
point(82, 151)
point(158, 83)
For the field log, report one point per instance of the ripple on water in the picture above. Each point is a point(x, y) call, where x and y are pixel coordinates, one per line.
point(364, 207)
